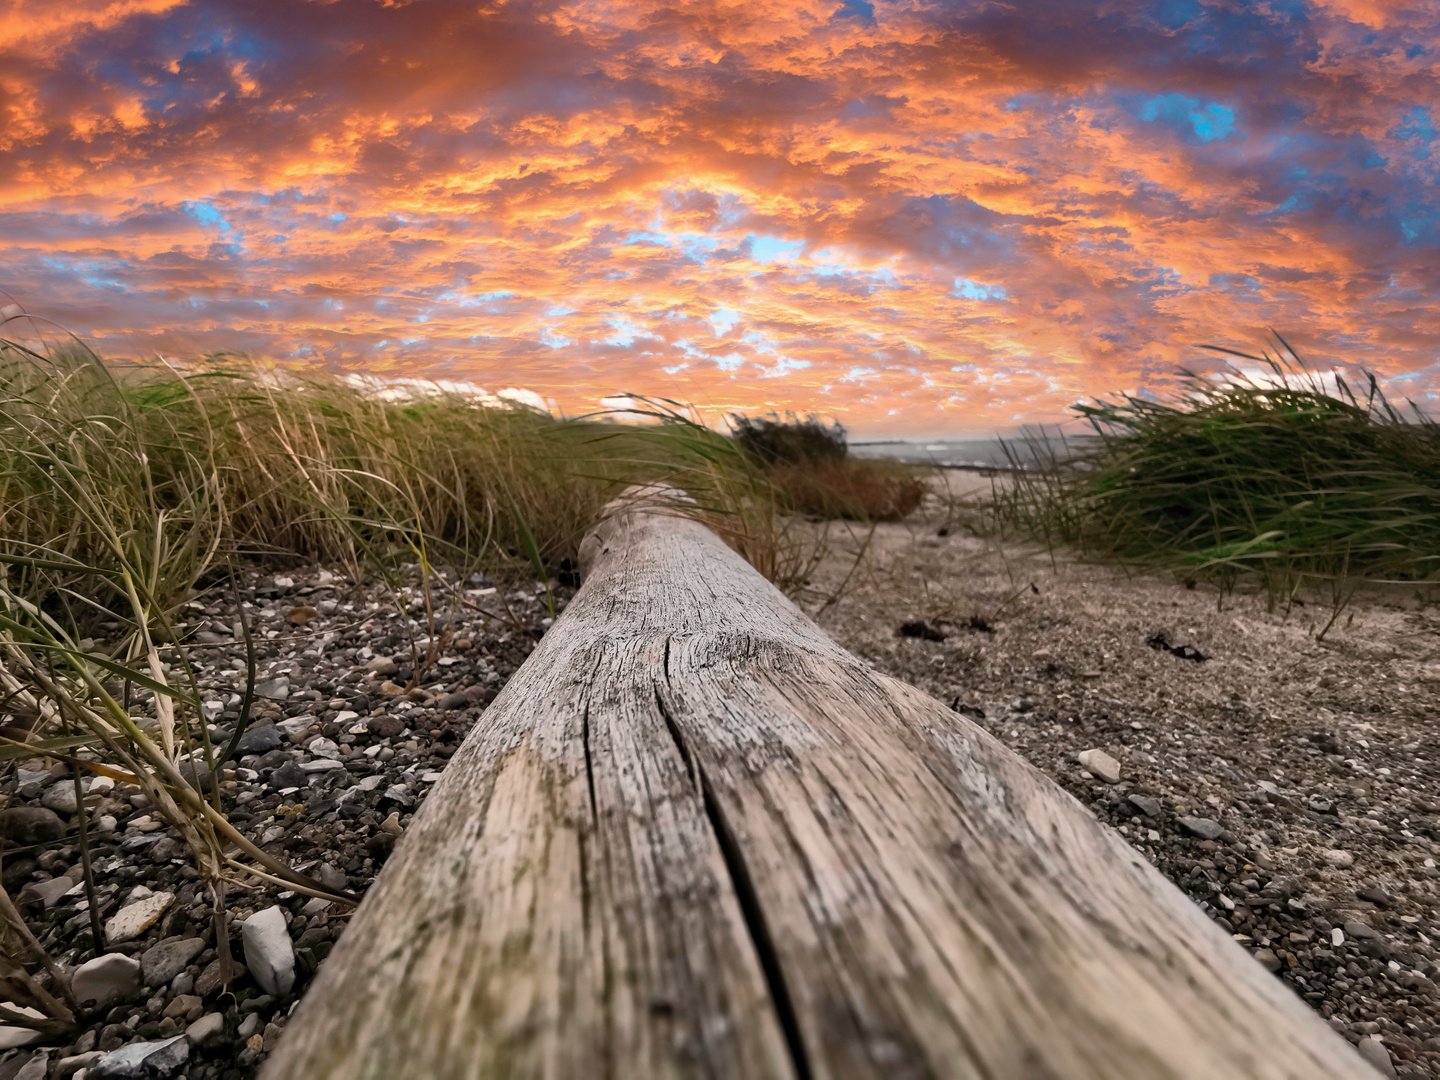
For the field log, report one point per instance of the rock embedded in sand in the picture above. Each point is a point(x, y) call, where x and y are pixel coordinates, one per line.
point(25, 825)
point(268, 952)
point(1202, 827)
point(1100, 764)
point(106, 980)
point(134, 919)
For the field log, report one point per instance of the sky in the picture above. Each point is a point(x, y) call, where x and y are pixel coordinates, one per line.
point(918, 217)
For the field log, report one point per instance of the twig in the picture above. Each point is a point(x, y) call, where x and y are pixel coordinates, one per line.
point(97, 934)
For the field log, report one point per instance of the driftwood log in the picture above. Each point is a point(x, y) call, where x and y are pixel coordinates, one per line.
point(695, 837)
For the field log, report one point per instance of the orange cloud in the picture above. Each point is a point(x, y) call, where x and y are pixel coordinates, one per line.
point(918, 217)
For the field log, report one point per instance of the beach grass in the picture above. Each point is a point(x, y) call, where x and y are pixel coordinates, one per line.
point(1275, 475)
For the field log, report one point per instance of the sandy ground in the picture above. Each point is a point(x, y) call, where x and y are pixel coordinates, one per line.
point(1314, 759)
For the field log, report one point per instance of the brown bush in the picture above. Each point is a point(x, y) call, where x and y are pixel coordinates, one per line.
point(853, 488)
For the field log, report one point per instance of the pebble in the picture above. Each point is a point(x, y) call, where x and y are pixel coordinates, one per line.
point(206, 1028)
point(268, 952)
point(1373, 1051)
point(1268, 960)
point(320, 765)
point(289, 775)
point(261, 740)
point(299, 616)
point(48, 892)
point(61, 798)
point(107, 979)
point(162, 962)
point(67, 1067)
point(209, 980)
point(1338, 857)
point(142, 1060)
point(1202, 827)
point(249, 1026)
point(274, 689)
point(1100, 764)
point(382, 666)
point(21, 826)
point(455, 701)
point(1146, 805)
point(134, 919)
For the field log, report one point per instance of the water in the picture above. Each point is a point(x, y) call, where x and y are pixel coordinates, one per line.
point(1026, 451)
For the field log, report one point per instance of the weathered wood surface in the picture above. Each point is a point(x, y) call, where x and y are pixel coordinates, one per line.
point(695, 837)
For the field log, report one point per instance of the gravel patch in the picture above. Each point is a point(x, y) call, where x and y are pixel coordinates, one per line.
point(338, 758)
point(1287, 784)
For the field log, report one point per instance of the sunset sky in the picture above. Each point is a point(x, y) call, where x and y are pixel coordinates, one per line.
point(918, 217)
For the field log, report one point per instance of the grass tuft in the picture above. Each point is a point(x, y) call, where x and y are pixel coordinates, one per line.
point(1286, 477)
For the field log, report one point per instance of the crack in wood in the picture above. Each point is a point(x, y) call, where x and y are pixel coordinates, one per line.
point(750, 908)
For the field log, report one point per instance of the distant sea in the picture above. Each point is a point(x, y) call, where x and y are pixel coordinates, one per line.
point(1024, 451)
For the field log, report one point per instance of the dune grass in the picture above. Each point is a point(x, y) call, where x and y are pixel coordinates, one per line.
point(1286, 478)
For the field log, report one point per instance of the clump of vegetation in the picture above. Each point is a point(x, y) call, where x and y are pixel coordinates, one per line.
point(791, 440)
point(813, 473)
point(1288, 478)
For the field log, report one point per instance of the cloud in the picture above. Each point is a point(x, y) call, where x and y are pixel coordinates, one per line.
point(917, 216)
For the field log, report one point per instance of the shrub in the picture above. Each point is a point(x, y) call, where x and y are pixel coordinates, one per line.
point(771, 440)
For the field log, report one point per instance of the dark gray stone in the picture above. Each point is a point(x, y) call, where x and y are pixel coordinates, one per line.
point(289, 775)
point(1202, 827)
point(261, 740)
point(1146, 805)
point(160, 963)
point(22, 825)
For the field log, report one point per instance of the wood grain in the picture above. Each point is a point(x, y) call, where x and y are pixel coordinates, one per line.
point(694, 837)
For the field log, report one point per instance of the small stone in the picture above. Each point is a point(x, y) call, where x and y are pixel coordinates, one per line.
point(1373, 1051)
point(21, 826)
point(299, 616)
point(386, 727)
point(392, 824)
point(274, 689)
point(268, 951)
point(455, 701)
point(1268, 960)
point(36, 1068)
point(134, 919)
point(162, 962)
point(67, 1067)
point(1202, 827)
point(390, 689)
point(382, 666)
point(320, 765)
point(1100, 764)
point(181, 1005)
point(207, 1027)
point(184, 983)
point(144, 1059)
point(48, 892)
point(260, 740)
point(61, 798)
point(287, 776)
point(1338, 858)
point(1375, 895)
point(333, 879)
point(106, 980)
point(1322, 806)
point(249, 1026)
point(1361, 931)
point(326, 748)
point(1146, 805)
point(209, 980)
point(397, 794)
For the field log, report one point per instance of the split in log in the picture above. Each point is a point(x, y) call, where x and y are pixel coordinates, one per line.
point(695, 837)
